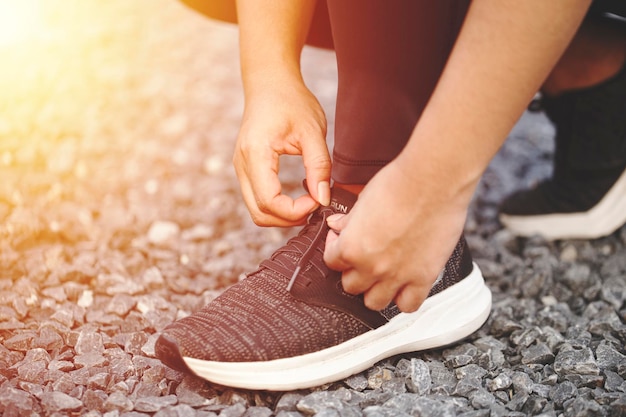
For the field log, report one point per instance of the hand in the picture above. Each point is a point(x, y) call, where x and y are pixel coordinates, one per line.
point(396, 239)
point(283, 118)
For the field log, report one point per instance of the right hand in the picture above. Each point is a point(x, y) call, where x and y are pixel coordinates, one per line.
point(281, 118)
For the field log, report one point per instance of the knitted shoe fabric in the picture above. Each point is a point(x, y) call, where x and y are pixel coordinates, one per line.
point(586, 195)
point(290, 325)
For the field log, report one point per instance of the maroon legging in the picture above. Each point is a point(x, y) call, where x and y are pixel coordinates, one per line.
point(390, 55)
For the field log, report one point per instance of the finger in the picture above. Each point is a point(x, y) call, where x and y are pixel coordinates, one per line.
point(261, 218)
point(337, 222)
point(355, 283)
point(410, 298)
point(317, 166)
point(380, 295)
point(262, 175)
point(333, 254)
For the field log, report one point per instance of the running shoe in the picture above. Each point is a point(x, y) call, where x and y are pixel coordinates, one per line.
point(586, 196)
point(289, 325)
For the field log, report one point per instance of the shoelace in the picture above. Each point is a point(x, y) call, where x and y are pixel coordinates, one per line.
point(303, 246)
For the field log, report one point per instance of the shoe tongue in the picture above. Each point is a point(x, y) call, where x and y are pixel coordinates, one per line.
point(341, 201)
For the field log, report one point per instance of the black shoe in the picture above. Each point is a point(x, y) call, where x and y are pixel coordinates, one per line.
point(586, 196)
point(290, 325)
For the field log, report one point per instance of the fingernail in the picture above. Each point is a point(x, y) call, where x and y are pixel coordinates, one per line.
point(323, 193)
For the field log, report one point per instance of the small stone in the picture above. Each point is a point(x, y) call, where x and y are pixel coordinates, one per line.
point(32, 371)
point(376, 376)
point(64, 384)
point(608, 357)
point(442, 379)
point(86, 299)
point(161, 232)
point(94, 400)
point(21, 342)
point(522, 382)
point(320, 400)
point(118, 284)
point(288, 401)
point(63, 366)
point(59, 402)
point(502, 381)
point(198, 232)
point(15, 399)
point(618, 407)
point(49, 339)
point(63, 316)
point(471, 371)
point(357, 382)
point(152, 277)
point(99, 381)
point(563, 392)
point(460, 355)
point(419, 380)
point(378, 411)
point(120, 304)
point(90, 360)
point(154, 404)
point(135, 342)
point(118, 401)
point(214, 164)
point(537, 354)
point(148, 348)
point(614, 295)
point(534, 405)
point(256, 411)
point(235, 410)
point(89, 341)
point(581, 407)
point(613, 382)
point(194, 392)
point(569, 253)
point(481, 398)
point(503, 326)
point(579, 362)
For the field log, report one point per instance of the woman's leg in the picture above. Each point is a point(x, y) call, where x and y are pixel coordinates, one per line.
point(389, 57)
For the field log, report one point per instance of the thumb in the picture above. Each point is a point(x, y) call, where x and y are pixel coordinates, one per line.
point(317, 166)
point(337, 222)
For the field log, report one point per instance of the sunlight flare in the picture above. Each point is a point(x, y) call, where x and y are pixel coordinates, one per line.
point(19, 20)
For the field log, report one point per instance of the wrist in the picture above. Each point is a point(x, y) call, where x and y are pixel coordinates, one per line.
point(271, 79)
point(444, 179)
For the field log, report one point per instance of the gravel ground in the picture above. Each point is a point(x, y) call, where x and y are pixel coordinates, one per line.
point(120, 212)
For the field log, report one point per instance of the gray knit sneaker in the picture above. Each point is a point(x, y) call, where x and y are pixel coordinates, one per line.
point(290, 325)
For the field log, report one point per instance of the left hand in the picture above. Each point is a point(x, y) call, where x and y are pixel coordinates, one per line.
point(397, 238)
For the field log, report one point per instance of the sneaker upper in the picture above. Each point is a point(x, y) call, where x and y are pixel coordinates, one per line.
point(291, 305)
point(590, 152)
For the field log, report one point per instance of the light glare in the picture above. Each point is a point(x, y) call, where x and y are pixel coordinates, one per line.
point(20, 20)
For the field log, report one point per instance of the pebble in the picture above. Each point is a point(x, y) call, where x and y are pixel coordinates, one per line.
point(162, 231)
point(576, 362)
point(59, 402)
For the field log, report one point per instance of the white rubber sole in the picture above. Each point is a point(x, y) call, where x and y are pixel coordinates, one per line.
point(601, 220)
point(442, 319)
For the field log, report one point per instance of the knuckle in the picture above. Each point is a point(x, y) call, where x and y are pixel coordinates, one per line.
point(321, 162)
point(260, 219)
point(349, 255)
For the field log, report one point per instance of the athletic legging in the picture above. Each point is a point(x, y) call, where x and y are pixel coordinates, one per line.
point(390, 54)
